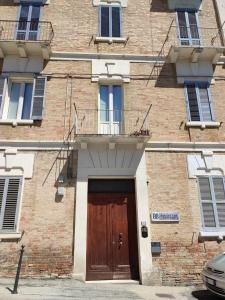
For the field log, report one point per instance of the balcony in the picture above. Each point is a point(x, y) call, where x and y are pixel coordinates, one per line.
point(194, 44)
point(120, 123)
point(25, 38)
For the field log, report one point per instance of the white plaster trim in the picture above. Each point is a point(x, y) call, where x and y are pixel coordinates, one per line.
point(205, 164)
point(10, 236)
point(110, 40)
point(89, 166)
point(14, 123)
point(110, 70)
point(13, 163)
point(203, 125)
point(122, 3)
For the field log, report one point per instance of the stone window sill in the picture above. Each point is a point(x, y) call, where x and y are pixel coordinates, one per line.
point(212, 234)
point(10, 236)
point(40, 1)
point(14, 123)
point(203, 125)
point(110, 40)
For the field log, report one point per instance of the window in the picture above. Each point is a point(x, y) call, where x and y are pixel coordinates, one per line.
point(188, 28)
point(28, 22)
point(212, 195)
point(110, 113)
point(110, 21)
point(10, 193)
point(22, 100)
point(20, 92)
point(199, 104)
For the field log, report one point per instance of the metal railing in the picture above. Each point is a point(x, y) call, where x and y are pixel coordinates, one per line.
point(26, 31)
point(184, 36)
point(195, 36)
point(112, 122)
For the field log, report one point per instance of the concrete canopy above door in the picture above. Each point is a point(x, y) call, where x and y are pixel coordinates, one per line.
point(97, 160)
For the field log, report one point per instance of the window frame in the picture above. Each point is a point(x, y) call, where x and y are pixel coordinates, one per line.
point(198, 85)
point(110, 21)
point(189, 38)
point(7, 97)
point(214, 202)
point(111, 104)
point(30, 5)
point(18, 204)
point(37, 102)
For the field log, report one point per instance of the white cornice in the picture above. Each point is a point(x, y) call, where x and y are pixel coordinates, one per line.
point(84, 56)
point(90, 56)
point(165, 146)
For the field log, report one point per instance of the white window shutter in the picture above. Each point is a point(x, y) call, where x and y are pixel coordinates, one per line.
point(218, 184)
point(3, 86)
point(205, 104)
point(38, 98)
point(206, 202)
point(11, 207)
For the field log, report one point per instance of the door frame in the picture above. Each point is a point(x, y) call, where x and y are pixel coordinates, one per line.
point(142, 212)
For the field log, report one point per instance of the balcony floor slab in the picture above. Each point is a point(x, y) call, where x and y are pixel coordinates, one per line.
point(25, 48)
point(195, 54)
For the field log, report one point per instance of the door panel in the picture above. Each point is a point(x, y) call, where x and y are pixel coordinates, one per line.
point(99, 258)
point(121, 264)
point(112, 251)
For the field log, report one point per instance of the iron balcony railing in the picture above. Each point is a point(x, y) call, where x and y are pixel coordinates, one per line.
point(195, 36)
point(111, 122)
point(26, 31)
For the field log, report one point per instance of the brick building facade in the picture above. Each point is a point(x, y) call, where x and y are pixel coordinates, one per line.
point(119, 98)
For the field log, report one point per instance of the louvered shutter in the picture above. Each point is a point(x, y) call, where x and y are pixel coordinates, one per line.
point(193, 103)
point(11, 204)
point(218, 184)
point(3, 85)
point(38, 98)
point(206, 202)
point(2, 186)
point(205, 104)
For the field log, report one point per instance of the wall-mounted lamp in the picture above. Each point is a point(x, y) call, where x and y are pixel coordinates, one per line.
point(61, 189)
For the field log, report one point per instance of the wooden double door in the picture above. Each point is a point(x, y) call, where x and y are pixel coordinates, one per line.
point(112, 251)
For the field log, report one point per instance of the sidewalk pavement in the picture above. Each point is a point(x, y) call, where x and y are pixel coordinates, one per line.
point(69, 289)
